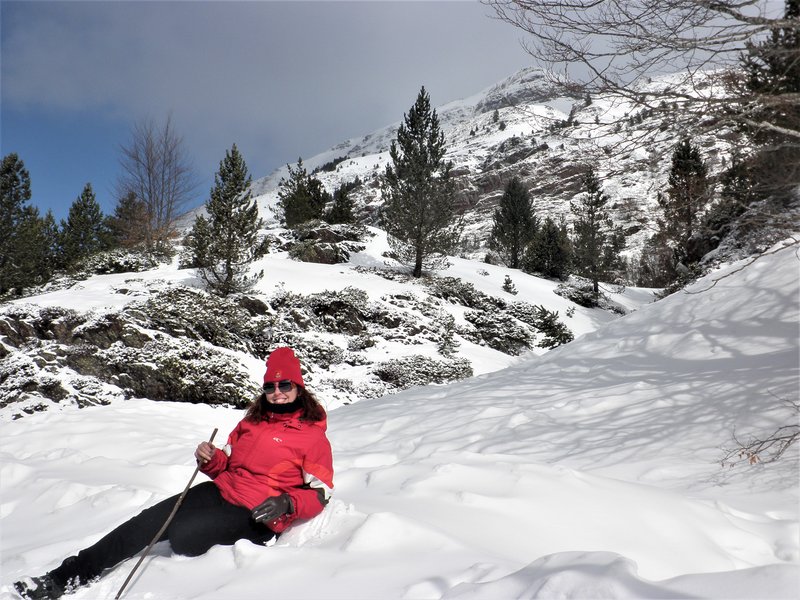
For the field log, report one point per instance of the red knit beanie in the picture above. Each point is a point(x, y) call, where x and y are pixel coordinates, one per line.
point(283, 364)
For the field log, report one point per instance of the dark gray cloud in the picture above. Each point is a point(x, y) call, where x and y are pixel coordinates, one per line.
point(281, 79)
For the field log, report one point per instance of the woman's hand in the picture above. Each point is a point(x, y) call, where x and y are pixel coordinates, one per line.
point(272, 508)
point(204, 452)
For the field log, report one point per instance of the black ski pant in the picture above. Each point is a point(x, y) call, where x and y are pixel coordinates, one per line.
point(203, 520)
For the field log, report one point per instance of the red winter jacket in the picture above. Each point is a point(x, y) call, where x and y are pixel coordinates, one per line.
point(268, 458)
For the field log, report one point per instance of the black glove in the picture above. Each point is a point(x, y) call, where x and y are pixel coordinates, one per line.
point(272, 508)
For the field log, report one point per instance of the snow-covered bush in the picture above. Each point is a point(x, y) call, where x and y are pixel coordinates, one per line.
point(554, 332)
point(408, 371)
point(580, 291)
point(497, 330)
point(348, 391)
point(360, 342)
point(118, 260)
point(508, 286)
point(340, 312)
point(104, 329)
point(411, 303)
point(388, 274)
point(319, 242)
point(312, 350)
point(312, 251)
point(181, 371)
point(89, 391)
point(33, 381)
point(50, 386)
point(454, 290)
point(18, 375)
point(546, 322)
point(196, 314)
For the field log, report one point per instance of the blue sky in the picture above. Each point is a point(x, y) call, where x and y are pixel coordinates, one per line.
point(282, 80)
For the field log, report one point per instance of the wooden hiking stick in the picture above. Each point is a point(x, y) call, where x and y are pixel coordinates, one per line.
point(165, 525)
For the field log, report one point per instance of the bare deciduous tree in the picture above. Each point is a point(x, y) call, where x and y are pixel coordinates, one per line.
point(610, 46)
point(616, 47)
point(156, 170)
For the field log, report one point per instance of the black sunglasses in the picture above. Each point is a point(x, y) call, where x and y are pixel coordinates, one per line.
point(283, 386)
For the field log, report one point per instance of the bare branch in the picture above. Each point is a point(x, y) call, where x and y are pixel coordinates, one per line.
point(156, 170)
point(615, 46)
point(770, 448)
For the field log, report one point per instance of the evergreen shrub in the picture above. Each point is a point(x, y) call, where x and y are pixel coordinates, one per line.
point(416, 369)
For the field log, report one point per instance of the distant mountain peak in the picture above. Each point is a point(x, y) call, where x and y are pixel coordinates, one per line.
point(529, 85)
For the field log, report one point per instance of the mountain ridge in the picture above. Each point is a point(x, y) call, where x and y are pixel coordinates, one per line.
point(541, 136)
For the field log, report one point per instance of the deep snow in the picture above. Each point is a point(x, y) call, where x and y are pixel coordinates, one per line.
point(589, 472)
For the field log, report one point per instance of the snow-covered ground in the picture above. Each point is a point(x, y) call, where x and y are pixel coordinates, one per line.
point(590, 472)
point(101, 294)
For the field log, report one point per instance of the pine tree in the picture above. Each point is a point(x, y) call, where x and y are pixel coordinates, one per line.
point(514, 224)
point(736, 194)
point(225, 244)
point(447, 344)
point(37, 256)
point(772, 66)
point(342, 208)
point(50, 250)
point(84, 232)
point(508, 285)
point(596, 244)
point(772, 76)
point(656, 263)
point(15, 192)
point(554, 332)
point(419, 210)
point(549, 252)
point(686, 197)
point(302, 197)
point(128, 225)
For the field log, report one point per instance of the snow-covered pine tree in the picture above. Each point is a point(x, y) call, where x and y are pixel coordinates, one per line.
point(223, 245)
point(342, 208)
point(302, 197)
point(508, 286)
point(549, 253)
point(447, 344)
point(514, 225)
point(419, 210)
point(596, 243)
point(554, 332)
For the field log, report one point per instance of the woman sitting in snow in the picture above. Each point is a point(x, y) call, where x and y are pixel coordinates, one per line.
point(276, 468)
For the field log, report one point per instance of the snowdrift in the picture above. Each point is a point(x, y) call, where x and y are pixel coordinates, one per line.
point(590, 472)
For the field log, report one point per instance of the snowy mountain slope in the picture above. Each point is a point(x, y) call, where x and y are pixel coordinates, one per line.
point(630, 151)
point(590, 472)
point(156, 334)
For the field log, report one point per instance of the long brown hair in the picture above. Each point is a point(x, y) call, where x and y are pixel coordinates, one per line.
point(312, 409)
